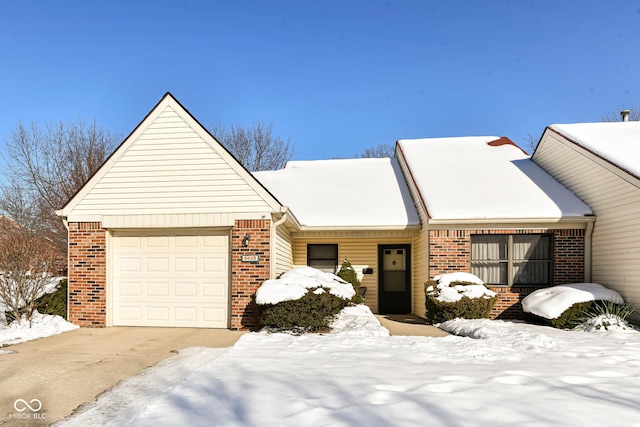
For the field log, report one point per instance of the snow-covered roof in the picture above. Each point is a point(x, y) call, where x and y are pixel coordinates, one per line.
point(484, 178)
point(616, 142)
point(367, 193)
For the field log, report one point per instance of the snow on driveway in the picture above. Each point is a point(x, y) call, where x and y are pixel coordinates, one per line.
point(508, 374)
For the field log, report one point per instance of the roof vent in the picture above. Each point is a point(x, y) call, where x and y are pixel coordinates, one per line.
point(625, 115)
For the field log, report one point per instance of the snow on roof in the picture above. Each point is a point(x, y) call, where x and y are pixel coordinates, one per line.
point(616, 142)
point(344, 192)
point(485, 177)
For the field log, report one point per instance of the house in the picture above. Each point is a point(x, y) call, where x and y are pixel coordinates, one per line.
point(486, 208)
point(173, 231)
point(600, 163)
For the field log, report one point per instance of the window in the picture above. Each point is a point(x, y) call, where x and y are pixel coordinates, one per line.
point(512, 259)
point(323, 257)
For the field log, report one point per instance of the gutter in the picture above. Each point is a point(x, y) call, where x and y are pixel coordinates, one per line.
point(588, 238)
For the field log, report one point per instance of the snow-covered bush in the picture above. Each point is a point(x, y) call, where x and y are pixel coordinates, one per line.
point(567, 306)
point(348, 274)
point(303, 299)
point(606, 316)
point(458, 295)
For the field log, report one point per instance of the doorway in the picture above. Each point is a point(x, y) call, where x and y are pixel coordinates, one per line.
point(394, 279)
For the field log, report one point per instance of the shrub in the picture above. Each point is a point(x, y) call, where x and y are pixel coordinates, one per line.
point(55, 303)
point(313, 312)
point(572, 316)
point(467, 308)
point(348, 274)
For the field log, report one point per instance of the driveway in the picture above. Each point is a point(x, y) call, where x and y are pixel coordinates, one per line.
point(64, 371)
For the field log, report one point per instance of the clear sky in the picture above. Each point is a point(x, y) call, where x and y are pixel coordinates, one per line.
point(334, 77)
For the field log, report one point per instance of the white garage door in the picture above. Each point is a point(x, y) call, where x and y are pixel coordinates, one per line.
point(175, 279)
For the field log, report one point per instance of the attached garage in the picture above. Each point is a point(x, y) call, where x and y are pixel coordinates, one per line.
point(170, 231)
point(170, 278)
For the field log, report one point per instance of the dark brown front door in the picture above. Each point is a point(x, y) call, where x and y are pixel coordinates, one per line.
point(394, 279)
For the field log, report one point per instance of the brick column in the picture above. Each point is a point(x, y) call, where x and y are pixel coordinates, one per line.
point(87, 274)
point(248, 275)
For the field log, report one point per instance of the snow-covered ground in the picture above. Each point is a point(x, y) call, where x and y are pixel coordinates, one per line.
point(499, 374)
point(41, 325)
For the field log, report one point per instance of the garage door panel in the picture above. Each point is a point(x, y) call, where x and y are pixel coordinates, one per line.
point(158, 289)
point(157, 265)
point(173, 280)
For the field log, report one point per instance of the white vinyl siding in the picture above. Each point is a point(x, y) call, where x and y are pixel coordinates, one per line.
point(170, 169)
point(614, 197)
point(284, 251)
point(360, 248)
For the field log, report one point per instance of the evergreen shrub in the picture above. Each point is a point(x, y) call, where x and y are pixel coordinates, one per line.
point(55, 303)
point(466, 308)
point(348, 274)
point(313, 312)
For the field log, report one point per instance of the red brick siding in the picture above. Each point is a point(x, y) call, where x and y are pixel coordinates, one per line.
point(246, 277)
point(87, 274)
point(450, 251)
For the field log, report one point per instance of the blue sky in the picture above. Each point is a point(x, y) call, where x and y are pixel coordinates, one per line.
point(334, 77)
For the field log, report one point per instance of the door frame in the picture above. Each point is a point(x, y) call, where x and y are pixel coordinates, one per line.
point(407, 296)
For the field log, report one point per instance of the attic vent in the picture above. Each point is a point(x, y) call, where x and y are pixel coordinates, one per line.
point(625, 115)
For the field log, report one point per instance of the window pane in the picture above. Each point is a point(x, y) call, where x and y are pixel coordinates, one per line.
point(493, 273)
point(531, 273)
point(527, 247)
point(323, 257)
point(489, 258)
point(489, 247)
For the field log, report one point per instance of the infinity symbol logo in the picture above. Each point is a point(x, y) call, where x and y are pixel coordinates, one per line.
point(21, 405)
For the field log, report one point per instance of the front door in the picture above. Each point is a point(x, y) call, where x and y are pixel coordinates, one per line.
point(394, 279)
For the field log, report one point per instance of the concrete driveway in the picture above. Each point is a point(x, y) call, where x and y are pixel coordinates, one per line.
point(64, 371)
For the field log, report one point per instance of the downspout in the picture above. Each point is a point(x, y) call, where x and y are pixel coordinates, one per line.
point(587, 251)
point(272, 243)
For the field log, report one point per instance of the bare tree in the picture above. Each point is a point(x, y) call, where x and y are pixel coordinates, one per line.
point(27, 265)
point(382, 150)
point(614, 116)
point(530, 143)
point(255, 147)
point(45, 167)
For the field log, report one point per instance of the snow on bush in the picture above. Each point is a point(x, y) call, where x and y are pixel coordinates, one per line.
point(294, 284)
point(40, 325)
point(550, 303)
point(452, 287)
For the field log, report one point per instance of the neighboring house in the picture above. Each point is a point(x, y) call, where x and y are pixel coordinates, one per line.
point(173, 231)
point(487, 208)
point(600, 162)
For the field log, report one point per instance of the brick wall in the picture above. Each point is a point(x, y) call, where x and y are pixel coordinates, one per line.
point(246, 277)
point(87, 274)
point(450, 251)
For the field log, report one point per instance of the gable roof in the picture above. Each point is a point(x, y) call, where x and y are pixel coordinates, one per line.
point(484, 178)
point(169, 165)
point(351, 193)
point(617, 143)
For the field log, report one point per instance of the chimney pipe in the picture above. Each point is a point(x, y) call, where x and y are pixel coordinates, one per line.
point(625, 115)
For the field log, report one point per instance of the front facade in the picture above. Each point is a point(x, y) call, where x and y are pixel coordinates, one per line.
point(173, 231)
point(600, 163)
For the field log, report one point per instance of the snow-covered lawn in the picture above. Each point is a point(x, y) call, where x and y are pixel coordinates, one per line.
point(507, 374)
point(41, 325)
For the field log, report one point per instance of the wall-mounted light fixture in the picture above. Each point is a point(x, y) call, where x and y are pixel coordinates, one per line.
point(245, 240)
